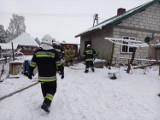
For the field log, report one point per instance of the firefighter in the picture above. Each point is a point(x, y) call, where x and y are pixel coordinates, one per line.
point(69, 55)
point(89, 55)
point(47, 60)
point(59, 49)
point(72, 53)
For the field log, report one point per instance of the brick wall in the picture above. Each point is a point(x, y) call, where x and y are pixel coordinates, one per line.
point(139, 26)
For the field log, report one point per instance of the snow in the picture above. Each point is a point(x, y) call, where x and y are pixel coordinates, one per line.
point(25, 39)
point(108, 21)
point(8, 46)
point(86, 96)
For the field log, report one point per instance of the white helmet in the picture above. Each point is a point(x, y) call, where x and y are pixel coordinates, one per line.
point(57, 43)
point(47, 39)
point(89, 45)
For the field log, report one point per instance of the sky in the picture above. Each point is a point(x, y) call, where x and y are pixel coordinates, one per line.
point(62, 19)
point(81, 96)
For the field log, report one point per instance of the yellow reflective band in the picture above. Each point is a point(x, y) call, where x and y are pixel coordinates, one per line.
point(59, 63)
point(32, 65)
point(49, 96)
point(58, 50)
point(44, 55)
point(46, 79)
point(89, 59)
point(89, 51)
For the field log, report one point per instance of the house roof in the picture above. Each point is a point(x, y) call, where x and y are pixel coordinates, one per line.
point(117, 19)
point(25, 40)
point(8, 46)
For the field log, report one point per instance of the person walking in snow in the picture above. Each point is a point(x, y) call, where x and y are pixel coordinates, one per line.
point(89, 55)
point(47, 60)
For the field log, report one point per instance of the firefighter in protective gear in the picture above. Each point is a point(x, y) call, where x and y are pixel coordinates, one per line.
point(57, 46)
point(47, 60)
point(69, 55)
point(89, 55)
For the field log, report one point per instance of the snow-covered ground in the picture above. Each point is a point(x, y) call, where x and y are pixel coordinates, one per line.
point(91, 96)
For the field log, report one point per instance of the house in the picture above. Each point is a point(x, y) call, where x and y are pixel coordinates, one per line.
point(25, 40)
point(26, 43)
point(135, 24)
point(22, 44)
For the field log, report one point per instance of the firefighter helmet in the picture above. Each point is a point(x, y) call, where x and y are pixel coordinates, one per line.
point(89, 45)
point(56, 43)
point(47, 39)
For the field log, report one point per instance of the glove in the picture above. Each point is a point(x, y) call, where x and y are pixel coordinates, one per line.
point(62, 75)
point(30, 75)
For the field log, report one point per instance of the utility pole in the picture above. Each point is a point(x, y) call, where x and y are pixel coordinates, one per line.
point(95, 19)
point(13, 51)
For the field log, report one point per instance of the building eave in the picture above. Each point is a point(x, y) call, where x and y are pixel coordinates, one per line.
point(118, 19)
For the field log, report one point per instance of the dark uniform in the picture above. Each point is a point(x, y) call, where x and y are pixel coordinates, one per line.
point(60, 50)
point(48, 62)
point(89, 55)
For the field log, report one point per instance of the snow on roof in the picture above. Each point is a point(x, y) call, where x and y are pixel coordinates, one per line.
point(115, 19)
point(8, 45)
point(25, 39)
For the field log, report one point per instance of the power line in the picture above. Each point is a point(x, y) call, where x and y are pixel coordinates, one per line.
point(51, 14)
point(101, 18)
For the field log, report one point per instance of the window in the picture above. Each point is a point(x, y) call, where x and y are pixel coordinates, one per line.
point(126, 48)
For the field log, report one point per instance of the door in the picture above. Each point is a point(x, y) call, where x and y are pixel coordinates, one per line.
point(87, 42)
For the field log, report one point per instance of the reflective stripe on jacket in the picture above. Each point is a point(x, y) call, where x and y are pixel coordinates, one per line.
point(47, 62)
point(89, 54)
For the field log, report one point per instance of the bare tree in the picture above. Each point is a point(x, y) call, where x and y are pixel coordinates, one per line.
point(16, 25)
point(3, 34)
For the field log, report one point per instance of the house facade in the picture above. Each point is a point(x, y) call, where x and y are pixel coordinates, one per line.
point(26, 44)
point(22, 44)
point(135, 24)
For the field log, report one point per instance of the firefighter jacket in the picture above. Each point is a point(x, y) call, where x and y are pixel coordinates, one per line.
point(60, 50)
point(89, 54)
point(70, 52)
point(47, 62)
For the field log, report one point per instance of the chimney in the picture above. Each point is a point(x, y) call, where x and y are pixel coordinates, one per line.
point(120, 11)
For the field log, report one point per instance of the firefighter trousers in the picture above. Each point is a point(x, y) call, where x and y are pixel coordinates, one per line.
point(89, 64)
point(48, 91)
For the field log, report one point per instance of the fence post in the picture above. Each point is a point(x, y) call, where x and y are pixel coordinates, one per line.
point(159, 70)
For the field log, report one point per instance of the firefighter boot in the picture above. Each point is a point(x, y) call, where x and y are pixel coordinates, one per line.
point(86, 71)
point(92, 69)
point(46, 104)
point(45, 107)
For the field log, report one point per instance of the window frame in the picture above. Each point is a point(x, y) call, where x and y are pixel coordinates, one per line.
point(129, 48)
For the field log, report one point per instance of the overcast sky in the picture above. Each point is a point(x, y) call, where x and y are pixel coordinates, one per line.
point(62, 19)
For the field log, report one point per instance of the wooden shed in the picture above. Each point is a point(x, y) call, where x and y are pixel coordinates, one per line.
point(15, 68)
